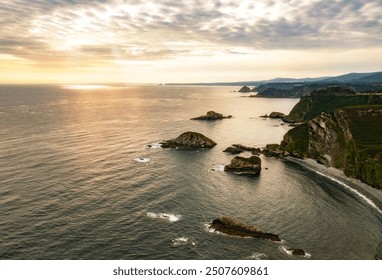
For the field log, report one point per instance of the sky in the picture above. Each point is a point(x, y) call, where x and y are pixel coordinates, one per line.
point(164, 41)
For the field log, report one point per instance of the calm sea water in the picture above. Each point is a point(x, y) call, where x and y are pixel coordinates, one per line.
point(72, 185)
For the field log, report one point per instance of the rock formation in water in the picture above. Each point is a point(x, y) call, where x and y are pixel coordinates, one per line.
point(212, 116)
point(245, 89)
point(233, 150)
point(273, 150)
point(244, 166)
point(276, 115)
point(234, 227)
point(254, 150)
point(188, 141)
point(297, 252)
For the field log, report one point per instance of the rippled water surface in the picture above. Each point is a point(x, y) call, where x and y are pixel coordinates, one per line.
point(78, 181)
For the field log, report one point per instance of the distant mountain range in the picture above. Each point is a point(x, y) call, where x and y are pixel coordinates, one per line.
point(373, 77)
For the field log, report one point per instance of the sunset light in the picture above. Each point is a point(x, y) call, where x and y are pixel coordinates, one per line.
point(179, 41)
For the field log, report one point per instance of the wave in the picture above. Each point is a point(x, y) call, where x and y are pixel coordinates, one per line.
point(179, 241)
point(364, 197)
point(257, 256)
point(289, 253)
point(217, 167)
point(142, 160)
point(310, 166)
point(154, 145)
point(169, 217)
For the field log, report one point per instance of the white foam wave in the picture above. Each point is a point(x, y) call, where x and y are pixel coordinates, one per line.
point(258, 256)
point(179, 241)
point(211, 230)
point(142, 160)
point(170, 217)
point(154, 145)
point(365, 198)
point(290, 253)
point(285, 250)
point(217, 167)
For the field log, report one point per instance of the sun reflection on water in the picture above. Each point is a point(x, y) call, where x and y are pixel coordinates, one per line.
point(85, 87)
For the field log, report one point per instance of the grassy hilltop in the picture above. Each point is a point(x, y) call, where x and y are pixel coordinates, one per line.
point(343, 131)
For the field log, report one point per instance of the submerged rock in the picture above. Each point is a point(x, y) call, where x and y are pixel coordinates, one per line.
point(244, 166)
point(212, 116)
point(233, 150)
point(188, 141)
point(297, 252)
point(234, 227)
point(254, 150)
point(277, 115)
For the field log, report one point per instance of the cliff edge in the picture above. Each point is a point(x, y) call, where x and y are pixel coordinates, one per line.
point(348, 138)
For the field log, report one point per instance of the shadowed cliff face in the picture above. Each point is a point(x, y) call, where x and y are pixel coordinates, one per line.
point(349, 138)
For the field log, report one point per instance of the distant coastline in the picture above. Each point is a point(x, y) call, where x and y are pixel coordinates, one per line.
point(370, 77)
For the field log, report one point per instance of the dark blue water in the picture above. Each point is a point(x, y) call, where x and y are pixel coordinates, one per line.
point(72, 186)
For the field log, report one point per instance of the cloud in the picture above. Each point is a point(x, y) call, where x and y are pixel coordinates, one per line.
point(50, 31)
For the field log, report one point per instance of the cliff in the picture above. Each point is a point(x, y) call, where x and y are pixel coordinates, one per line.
point(348, 138)
point(326, 100)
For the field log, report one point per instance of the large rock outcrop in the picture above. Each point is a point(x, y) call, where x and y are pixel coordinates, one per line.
point(244, 166)
point(348, 138)
point(245, 89)
point(212, 116)
point(188, 141)
point(234, 227)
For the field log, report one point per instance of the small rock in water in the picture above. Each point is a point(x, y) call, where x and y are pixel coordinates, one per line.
point(297, 252)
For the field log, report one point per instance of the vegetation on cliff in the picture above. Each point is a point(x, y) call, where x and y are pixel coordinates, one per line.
point(349, 138)
point(327, 100)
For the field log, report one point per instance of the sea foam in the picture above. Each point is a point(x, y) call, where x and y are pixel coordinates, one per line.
point(165, 216)
point(182, 241)
point(142, 160)
point(365, 198)
point(154, 145)
point(217, 167)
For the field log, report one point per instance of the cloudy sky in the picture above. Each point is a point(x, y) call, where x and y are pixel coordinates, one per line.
point(147, 41)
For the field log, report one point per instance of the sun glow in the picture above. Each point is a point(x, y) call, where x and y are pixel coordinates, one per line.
point(85, 87)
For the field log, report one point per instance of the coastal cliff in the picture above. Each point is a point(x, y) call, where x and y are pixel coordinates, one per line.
point(348, 138)
point(327, 100)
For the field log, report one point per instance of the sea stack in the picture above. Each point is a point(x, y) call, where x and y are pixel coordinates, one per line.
point(245, 89)
point(188, 141)
point(244, 166)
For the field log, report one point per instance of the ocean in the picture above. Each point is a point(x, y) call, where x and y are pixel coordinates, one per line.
point(82, 176)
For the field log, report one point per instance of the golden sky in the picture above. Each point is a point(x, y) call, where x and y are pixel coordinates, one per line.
point(146, 41)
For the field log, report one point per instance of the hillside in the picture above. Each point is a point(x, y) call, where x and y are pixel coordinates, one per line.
point(374, 77)
point(349, 138)
point(327, 100)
